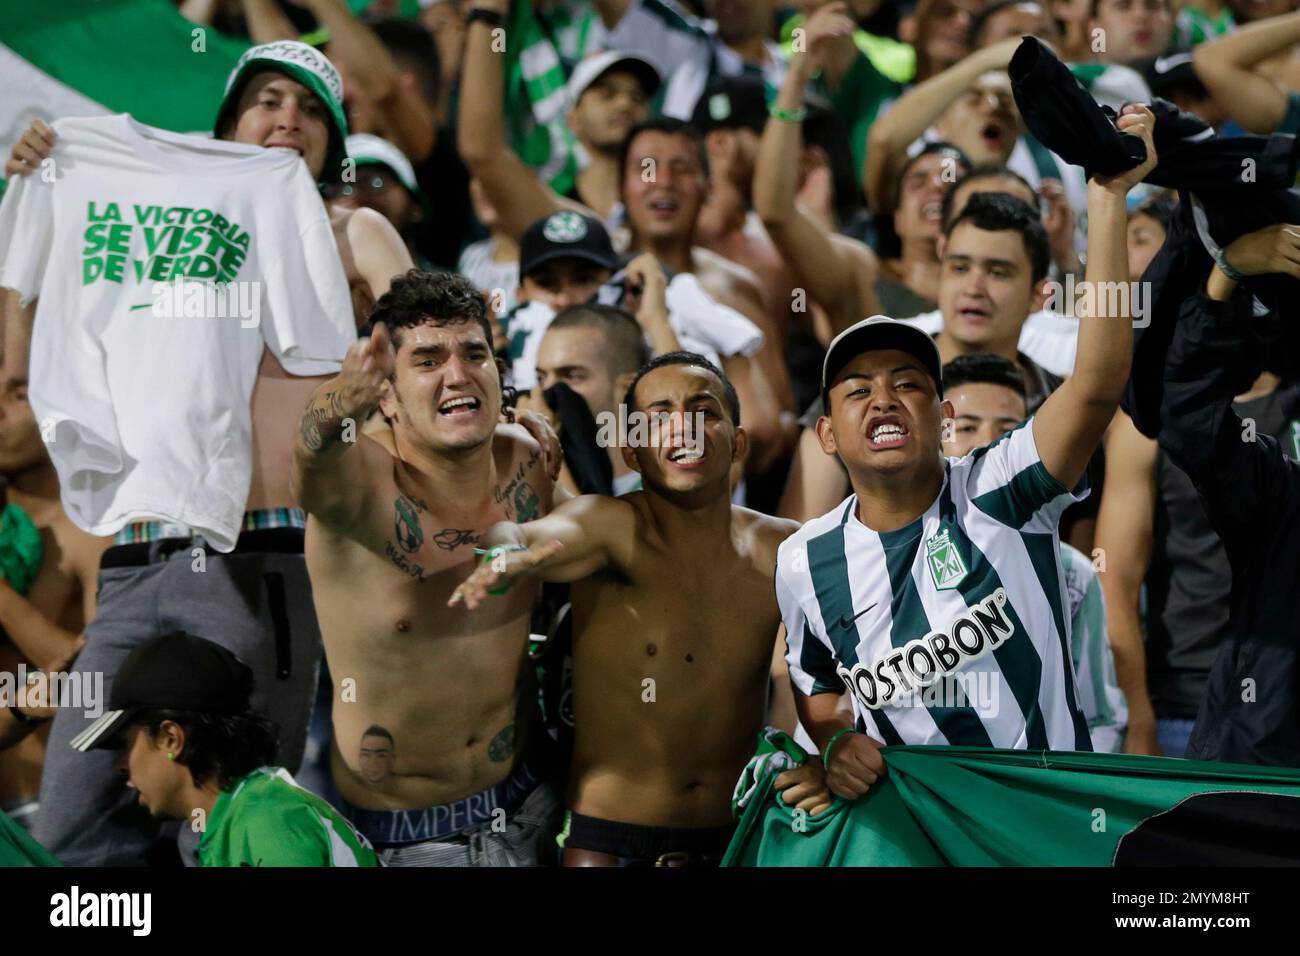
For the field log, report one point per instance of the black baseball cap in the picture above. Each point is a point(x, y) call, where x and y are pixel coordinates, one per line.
point(731, 102)
point(1167, 75)
point(566, 235)
point(874, 334)
point(175, 671)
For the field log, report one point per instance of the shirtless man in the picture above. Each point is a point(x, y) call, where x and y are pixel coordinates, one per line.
point(674, 622)
point(395, 516)
point(283, 95)
point(663, 211)
point(42, 624)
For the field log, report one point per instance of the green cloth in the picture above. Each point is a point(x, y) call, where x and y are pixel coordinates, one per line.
point(266, 819)
point(540, 52)
point(894, 59)
point(1193, 26)
point(21, 549)
point(957, 806)
point(128, 56)
point(17, 848)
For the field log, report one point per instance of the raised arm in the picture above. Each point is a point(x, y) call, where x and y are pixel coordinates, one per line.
point(377, 249)
point(1125, 524)
point(580, 537)
point(823, 268)
point(411, 124)
point(333, 462)
point(1071, 423)
point(267, 22)
point(1226, 66)
point(512, 186)
point(915, 112)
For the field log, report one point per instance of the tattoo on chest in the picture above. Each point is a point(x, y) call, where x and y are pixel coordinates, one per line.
point(406, 523)
point(449, 539)
point(517, 496)
point(502, 746)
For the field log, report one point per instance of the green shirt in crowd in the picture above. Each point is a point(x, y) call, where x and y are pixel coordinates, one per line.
point(266, 819)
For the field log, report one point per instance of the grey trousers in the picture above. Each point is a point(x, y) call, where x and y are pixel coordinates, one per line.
point(255, 603)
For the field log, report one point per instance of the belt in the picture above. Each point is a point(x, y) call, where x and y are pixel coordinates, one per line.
point(285, 539)
point(260, 519)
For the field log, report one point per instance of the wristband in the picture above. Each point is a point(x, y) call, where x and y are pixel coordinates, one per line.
point(491, 17)
point(1221, 260)
point(788, 116)
point(826, 757)
point(490, 555)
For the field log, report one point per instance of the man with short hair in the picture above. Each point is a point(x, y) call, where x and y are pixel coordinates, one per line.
point(663, 179)
point(396, 514)
point(385, 182)
point(669, 682)
point(988, 398)
point(934, 592)
point(1133, 30)
point(595, 350)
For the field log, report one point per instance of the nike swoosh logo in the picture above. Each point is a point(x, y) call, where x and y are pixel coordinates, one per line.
point(847, 622)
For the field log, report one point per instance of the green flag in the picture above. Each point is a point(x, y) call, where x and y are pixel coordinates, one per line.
point(951, 806)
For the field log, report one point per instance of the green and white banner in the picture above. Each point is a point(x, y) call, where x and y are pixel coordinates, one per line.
point(89, 57)
point(952, 806)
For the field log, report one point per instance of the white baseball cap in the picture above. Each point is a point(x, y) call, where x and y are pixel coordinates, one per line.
point(591, 69)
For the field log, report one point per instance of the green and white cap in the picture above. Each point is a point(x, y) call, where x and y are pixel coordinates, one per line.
point(303, 64)
point(367, 150)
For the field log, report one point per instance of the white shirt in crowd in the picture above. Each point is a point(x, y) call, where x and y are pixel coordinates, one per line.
point(702, 324)
point(142, 369)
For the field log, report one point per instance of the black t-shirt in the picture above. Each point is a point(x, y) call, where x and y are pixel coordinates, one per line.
point(1189, 580)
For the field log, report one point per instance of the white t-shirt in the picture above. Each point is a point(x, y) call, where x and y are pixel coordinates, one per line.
point(702, 324)
point(1047, 337)
point(146, 411)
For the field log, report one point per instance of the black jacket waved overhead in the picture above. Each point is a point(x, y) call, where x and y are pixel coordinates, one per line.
point(1232, 185)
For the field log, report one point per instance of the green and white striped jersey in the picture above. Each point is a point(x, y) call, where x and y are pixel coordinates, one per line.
point(266, 819)
point(1100, 697)
point(953, 629)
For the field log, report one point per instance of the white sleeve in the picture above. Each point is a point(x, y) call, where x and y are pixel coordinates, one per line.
point(26, 234)
point(306, 315)
point(664, 34)
point(1008, 481)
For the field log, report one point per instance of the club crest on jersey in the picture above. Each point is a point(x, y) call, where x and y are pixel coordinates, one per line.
point(946, 566)
point(922, 661)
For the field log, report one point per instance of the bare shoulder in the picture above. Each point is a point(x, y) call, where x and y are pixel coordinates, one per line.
point(523, 483)
point(727, 281)
point(81, 549)
point(764, 532)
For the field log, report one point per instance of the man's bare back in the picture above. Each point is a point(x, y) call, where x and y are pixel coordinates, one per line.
point(671, 648)
point(454, 691)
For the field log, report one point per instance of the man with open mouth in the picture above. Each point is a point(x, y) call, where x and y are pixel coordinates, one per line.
point(670, 683)
point(396, 515)
point(937, 570)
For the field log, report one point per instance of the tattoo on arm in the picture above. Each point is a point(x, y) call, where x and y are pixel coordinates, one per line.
point(324, 423)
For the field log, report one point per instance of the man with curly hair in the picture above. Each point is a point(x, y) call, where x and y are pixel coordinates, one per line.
point(395, 515)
